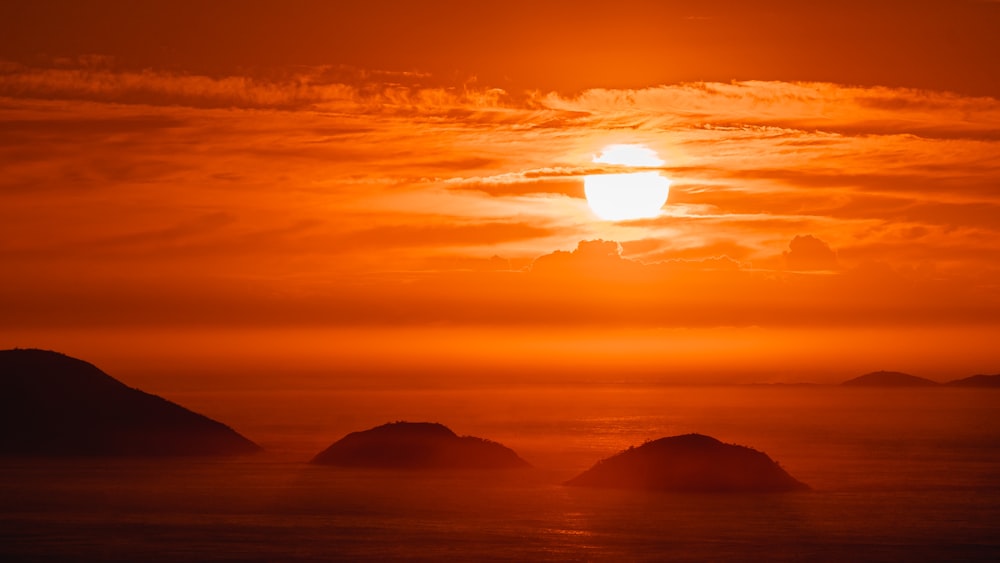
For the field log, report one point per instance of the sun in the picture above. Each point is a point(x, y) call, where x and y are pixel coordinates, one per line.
point(628, 195)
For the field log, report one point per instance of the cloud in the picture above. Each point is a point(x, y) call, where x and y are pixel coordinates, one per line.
point(364, 201)
point(807, 252)
point(593, 285)
point(572, 188)
point(784, 107)
point(775, 108)
point(439, 236)
point(313, 88)
point(591, 258)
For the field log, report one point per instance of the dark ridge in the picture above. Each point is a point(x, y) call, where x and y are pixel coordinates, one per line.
point(689, 463)
point(977, 381)
point(889, 379)
point(55, 405)
point(417, 445)
point(785, 384)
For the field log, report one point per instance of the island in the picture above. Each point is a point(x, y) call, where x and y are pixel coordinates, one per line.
point(889, 379)
point(417, 445)
point(689, 463)
point(55, 405)
point(979, 380)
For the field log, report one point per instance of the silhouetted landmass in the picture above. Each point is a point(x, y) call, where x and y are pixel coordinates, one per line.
point(977, 381)
point(690, 463)
point(785, 384)
point(889, 379)
point(417, 445)
point(55, 405)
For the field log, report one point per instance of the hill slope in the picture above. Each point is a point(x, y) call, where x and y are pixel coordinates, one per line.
point(689, 463)
point(417, 445)
point(55, 405)
point(889, 379)
point(976, 381)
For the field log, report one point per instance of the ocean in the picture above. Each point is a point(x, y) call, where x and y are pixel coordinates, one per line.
point(898, 475)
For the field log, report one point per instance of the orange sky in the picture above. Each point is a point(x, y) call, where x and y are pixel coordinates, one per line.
point(410, 174)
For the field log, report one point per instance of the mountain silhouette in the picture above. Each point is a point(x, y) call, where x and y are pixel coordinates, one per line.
point(55, 405)
point(417, 445)
point(977, 381)
point(689, 463)
point(889, 379)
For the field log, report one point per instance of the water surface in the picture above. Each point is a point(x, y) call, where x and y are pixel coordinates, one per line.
point(899, 474)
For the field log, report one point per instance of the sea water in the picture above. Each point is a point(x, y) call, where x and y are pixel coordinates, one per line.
point(898, 475)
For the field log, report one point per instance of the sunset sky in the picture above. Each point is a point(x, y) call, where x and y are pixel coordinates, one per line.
point(397, 187)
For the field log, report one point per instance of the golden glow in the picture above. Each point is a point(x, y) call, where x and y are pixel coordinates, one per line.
point(630, 195)
point(629, 155)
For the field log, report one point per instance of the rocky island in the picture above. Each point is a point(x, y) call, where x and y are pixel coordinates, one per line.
point(689, 463)
point(417, 445)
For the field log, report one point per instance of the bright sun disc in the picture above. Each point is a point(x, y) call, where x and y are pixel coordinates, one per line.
point(630, 195)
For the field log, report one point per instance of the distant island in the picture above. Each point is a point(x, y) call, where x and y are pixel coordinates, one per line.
point(55, 405)
point(899, 379)
point(417, 445)
point(689, 463)
point(977, 381)
point(889, 379)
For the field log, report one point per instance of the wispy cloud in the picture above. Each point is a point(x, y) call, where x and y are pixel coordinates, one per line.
point(338, 186)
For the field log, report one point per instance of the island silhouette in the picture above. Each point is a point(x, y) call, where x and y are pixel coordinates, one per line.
point(417, 445)
point(689, 463)
point(55, 405)
point(979, 380)
point(899, 379)
point(889, 379)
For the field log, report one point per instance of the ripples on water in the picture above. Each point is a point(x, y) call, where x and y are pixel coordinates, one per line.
point(899, 475)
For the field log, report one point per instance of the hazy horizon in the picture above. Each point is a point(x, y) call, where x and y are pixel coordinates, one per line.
point(441, 356)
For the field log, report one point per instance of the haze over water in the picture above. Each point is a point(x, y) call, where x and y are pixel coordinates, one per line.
point(898, 474)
